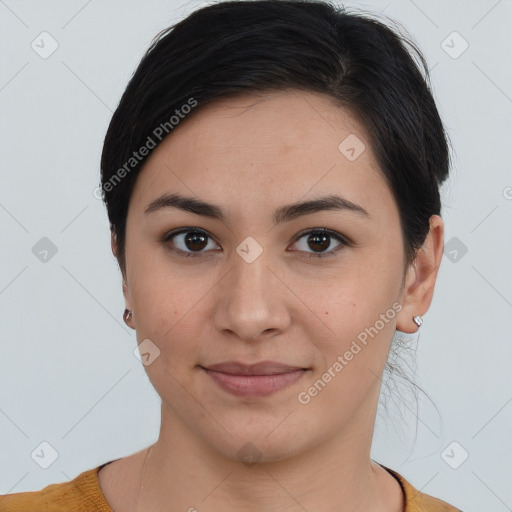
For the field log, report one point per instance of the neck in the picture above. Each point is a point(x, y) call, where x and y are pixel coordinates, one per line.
point(335, 475)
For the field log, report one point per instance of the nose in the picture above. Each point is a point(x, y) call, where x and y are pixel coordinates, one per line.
point(252, 301)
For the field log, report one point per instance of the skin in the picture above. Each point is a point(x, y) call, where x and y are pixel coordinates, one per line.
point(249, 156)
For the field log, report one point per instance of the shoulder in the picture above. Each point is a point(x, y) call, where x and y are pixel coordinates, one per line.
point(417, 501)
point(82, 494)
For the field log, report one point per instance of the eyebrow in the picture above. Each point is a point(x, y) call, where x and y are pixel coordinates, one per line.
point(282, 214)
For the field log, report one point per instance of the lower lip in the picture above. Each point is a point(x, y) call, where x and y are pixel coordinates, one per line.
point(254, 385)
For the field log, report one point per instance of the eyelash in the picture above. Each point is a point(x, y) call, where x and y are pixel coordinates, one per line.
point(318, 231)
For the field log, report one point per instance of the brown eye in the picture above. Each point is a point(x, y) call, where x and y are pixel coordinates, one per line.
point(195, 241)
point(319, 240)
point(189, 242)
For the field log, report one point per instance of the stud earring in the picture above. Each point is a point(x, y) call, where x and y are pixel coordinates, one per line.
point(418, 320)
point(127, 315)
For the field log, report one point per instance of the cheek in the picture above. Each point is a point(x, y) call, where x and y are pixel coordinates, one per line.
point(165, 301)
point(352, 297)
point(355, 311)
point(354, 350)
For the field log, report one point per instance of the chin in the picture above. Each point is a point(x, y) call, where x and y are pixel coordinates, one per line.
point(256, 445)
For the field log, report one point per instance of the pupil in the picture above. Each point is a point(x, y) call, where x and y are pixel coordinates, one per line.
point(195, 238)
point(319, 237)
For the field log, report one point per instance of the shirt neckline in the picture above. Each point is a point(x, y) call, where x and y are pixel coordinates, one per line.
point(91, 478)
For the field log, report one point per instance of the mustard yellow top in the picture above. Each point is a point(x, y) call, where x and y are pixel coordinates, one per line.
point(83, 494)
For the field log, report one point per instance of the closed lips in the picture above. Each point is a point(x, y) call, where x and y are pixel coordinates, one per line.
point(254, 381)
point(262, 368)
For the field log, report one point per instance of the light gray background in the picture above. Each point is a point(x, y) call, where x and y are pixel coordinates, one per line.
point(68, 374)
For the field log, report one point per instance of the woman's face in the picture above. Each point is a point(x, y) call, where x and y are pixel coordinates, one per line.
point(248, 288)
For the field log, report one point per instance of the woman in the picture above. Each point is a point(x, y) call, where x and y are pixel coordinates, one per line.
point(271, 177)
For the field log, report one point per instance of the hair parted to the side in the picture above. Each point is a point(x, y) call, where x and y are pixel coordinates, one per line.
point(234, 47)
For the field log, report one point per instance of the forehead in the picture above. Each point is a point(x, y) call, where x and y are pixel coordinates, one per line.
point(272, 119)
point(262, 146)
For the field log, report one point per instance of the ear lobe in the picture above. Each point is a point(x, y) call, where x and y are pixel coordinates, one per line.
point(421, 277)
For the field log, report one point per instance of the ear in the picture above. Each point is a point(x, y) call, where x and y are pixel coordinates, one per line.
point(421, 277)
point(126, 292)
point(113, 242)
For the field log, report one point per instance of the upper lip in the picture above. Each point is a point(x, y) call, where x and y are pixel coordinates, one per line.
point(261, 368)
